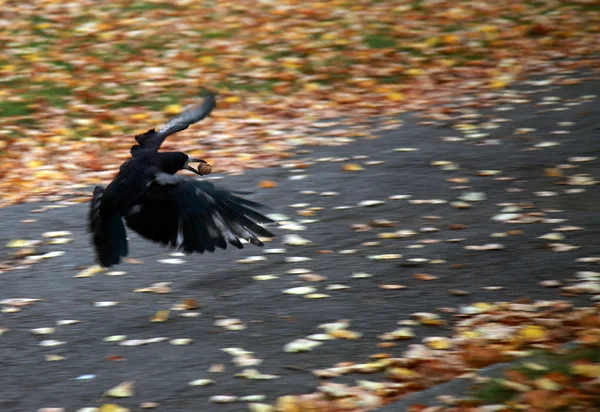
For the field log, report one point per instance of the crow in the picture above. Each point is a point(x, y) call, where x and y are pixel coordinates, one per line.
point(162, 206)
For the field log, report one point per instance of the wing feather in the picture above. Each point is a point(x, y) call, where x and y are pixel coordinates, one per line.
point(196, 216)
point(152, 139)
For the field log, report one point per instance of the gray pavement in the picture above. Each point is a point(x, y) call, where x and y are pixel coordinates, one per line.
point(226, 289)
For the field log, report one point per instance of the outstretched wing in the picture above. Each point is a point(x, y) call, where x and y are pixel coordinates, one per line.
point(152, 139)
point(196, 216)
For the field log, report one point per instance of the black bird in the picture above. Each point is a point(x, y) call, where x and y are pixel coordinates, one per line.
point(191, 215)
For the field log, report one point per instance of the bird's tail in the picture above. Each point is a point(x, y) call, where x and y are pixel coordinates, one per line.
point(108, 232)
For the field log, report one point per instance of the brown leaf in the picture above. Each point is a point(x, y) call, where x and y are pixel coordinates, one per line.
point(547, 400)
point(516, 376)
point(481, 356)
point(553, 172)
point(190, 304)
point(424, 276)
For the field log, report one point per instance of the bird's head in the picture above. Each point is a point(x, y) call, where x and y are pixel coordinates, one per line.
point(172, 162)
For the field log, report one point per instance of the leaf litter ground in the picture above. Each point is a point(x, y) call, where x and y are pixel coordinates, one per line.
point(79, 79)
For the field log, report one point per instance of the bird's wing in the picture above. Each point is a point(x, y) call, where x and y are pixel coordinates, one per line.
point(108, 232)
point(152, 139)
point(196, 216)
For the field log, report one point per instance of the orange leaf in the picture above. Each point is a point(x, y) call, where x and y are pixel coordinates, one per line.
point(267, 184)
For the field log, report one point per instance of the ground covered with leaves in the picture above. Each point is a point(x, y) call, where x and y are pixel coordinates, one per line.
point(419, 255)
point(79, 78)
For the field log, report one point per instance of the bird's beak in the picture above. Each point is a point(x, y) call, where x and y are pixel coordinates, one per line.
point(194, 160)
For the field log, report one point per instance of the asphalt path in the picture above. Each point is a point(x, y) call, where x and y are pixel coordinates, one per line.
point(226, 289)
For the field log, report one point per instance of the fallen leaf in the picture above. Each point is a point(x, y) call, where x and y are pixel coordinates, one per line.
point(111, 407)
point(267, 184)
point(160, 316)
point(352, 167)
point(123, 390)
point(392, 286)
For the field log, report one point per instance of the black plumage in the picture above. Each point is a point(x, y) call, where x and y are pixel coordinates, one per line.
point(162, 206)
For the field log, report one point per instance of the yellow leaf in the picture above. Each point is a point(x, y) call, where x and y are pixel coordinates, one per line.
point(414, 72)
point(498, 83)
point(233, 99)
point(261, 407)
point(533, 333)
point(465, 126)
point(49, 174)
point(34, 164)
point(123, 390)
point(111, 407)
point(470, 334)
point(590, 370)
point(352, 167)
point(487, 28)
point(89, 272)
point(403, 373)
point(548, 384)
point(173, 109)
point(345, 334)
point(206, 59)
point(553, 172)
point(432, 41)
point(439, 343)
point(32, 57)
point(312, 86)
point(483, 306)
point(246, 157)
point(291, 64)
point(395, 97)
point(288, 403)
point(18, 243)
point(161, 316)
point(139, 116)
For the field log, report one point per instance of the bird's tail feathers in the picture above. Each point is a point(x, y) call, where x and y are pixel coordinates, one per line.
point(94, 214)
point(108, 232)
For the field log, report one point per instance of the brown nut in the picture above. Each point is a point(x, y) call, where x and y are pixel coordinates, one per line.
point(204, 168)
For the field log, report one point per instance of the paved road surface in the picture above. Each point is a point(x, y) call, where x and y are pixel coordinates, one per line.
point(226, 289)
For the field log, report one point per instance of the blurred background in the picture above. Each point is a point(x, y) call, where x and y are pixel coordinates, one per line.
point(80, 78)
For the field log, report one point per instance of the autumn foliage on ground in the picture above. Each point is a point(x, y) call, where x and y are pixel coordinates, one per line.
point(80, 78)
point(546, 375)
